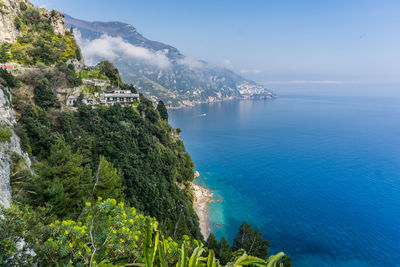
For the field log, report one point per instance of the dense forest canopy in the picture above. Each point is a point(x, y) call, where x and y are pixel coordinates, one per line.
point(155, 166)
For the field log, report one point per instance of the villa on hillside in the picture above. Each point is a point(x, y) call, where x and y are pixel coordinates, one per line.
point(122, 97)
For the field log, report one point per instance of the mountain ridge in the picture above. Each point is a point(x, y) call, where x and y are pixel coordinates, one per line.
point(131, 34)
point(180, 81)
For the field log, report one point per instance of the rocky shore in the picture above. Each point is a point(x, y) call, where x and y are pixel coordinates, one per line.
point(202, 197)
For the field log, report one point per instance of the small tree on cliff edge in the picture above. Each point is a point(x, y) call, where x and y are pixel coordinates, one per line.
point(251, 240)
point(162, 110)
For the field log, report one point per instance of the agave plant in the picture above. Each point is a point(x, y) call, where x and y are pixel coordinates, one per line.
point(158, 251)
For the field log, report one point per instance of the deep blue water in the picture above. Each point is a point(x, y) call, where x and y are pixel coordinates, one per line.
point(317, 170)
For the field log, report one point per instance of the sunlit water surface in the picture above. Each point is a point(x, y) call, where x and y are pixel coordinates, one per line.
point(317, 169)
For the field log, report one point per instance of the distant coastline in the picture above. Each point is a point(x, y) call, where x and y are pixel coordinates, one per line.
point(202, 197)
point(193, 103)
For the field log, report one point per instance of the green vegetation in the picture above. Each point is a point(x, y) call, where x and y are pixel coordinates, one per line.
point(38, 43)
point(9, 80)
point(94, 73)
point(114, 153)
point(162, 110)
point(4, 52)
point(73, 78)
point(44, 96)
point(247, 239)
point(155, 168)
point(106, 233)
point(5, 134)
point(251, 241)
point(110, 71)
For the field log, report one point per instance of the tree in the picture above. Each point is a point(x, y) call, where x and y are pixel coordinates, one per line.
point(7, 79)
point(108, 181)
point(110, 71)
point(212, 243)
point(62, 181)
point(162, 110)
point(224, 251)
point(181, 228)
point(44, 96)
point(251, 241)
point(4, 52)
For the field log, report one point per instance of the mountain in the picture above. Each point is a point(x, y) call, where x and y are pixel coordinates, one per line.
point(159, 70)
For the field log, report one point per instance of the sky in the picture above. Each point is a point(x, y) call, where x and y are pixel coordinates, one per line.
point(270, 41)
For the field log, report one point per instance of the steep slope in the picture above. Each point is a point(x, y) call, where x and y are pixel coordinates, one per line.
point(160, 71)
point(10, 147)
point(149, 162)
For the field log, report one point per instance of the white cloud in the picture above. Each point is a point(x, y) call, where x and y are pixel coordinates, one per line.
point(116, 48)
point(227, 64)
point(191, 62)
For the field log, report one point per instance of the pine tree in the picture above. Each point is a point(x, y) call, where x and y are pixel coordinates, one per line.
point(57, 199)
point(108, 181)
point(225, 252)
point(63, 181)
point(212, 243)
point(181, 228)
point(251, 241)
point(44, 96)
point(162, 110)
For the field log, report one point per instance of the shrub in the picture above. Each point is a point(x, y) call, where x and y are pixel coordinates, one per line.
point(44, 96)
point(106, 234)
point(5, 134)
point(5, 52)
point(8, 79)
point(23, 6)
point(162, 110)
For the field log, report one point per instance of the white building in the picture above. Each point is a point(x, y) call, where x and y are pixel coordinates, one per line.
point(122, 97)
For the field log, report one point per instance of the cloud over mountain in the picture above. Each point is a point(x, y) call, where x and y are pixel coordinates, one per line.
point(116, 48)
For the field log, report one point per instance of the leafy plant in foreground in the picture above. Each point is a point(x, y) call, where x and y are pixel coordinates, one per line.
point(106, 234)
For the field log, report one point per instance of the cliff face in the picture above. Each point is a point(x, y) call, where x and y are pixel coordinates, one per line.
point(7, 149)
point(10, 8)
point(58, 24)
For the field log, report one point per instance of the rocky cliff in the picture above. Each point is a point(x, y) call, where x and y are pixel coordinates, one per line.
point(9, 9)
point(8, 148)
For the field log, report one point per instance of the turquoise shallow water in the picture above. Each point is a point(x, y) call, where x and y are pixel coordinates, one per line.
point(319, 173)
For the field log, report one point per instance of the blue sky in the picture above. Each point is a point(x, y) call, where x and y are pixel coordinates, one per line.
point(267, 40)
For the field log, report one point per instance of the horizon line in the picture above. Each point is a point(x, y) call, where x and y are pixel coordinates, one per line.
point(327, 82)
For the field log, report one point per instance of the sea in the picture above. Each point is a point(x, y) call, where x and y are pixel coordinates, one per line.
point(317, 170)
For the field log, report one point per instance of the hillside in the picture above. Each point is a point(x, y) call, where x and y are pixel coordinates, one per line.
point(89, 184)
point(154, 168)
point(160, 71)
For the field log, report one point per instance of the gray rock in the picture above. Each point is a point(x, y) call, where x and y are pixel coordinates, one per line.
point(7, 119)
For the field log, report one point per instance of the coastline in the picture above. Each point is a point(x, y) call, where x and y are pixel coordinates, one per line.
point(194, 103)
point(202, 197)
